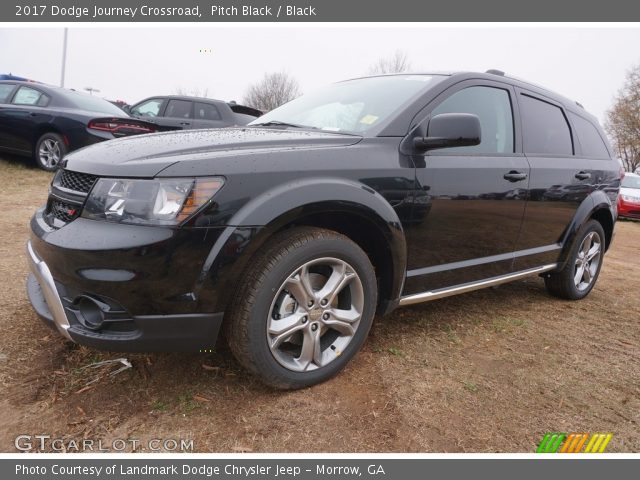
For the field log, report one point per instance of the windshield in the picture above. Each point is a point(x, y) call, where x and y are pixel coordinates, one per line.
point(354, 106)
point(631, 182)
point(92, 104)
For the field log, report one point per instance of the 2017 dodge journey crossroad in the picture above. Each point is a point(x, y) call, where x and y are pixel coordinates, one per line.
point(289, 234)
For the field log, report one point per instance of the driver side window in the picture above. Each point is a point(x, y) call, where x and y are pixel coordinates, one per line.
point(493, 108)
point(150, 108)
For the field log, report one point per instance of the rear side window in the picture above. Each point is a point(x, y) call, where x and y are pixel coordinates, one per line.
point(5, 91)
point(206, 111)
point(493, 108)
point(545, 128)
point(30, 96)
point(178, 109)
point(589, 138)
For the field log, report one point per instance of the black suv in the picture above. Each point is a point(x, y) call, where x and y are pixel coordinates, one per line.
point(291, 233)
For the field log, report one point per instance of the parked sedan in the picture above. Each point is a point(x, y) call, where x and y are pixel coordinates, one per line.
point(629, 198)
point(46, 122)
point(187, 113)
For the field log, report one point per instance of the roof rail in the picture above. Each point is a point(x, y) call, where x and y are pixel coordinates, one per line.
point(495, 72)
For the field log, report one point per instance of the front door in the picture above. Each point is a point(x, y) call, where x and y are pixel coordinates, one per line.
point(477, 195)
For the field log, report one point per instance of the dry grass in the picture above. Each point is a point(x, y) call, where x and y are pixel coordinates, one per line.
point(488, 371)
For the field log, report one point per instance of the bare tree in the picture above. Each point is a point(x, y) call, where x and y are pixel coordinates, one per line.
point(191, 92)
point(397, 62)
point(272, 91)
point(623, 121)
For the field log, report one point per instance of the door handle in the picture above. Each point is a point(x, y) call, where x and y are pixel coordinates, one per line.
point(185, 123)
point(583, 175)
point(514, 176)
point(33, 114)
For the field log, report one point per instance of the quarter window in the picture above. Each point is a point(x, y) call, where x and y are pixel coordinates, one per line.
point(589, 138)
point(206, 111)
point(30, 96)
point(545, 128)
point(493, 108)
point(178, 109)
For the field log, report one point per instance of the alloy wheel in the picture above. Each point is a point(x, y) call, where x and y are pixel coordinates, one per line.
point(587, 261)
point(315, 314)
point(49, 153)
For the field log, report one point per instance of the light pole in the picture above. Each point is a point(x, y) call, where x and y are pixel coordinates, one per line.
point(91, 90)
point(64, 57)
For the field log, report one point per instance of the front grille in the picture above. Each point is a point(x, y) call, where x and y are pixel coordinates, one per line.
point(78, 182)
point(63, 211)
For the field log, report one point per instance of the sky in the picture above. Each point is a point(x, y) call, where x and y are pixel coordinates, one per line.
point(584, 63)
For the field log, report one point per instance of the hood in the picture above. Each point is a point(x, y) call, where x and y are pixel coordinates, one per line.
point(147, 155)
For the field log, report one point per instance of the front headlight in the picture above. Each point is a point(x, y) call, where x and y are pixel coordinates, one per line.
point(167, 201)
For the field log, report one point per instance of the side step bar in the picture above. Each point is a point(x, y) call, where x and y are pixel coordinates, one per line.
point(470, 287)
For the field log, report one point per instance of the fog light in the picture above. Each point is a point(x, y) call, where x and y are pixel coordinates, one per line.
point(90, 312)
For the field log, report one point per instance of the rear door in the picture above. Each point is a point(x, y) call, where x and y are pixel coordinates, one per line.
point(560, 179)
point(21, 117)
point(207, 115)
point(476, 194)
point(178, 114)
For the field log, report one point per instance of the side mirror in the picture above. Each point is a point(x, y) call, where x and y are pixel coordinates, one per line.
point(450, 130)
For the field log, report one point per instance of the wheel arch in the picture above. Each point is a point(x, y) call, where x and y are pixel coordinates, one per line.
point(44, 128)
point(340, 205)
point(597, 206)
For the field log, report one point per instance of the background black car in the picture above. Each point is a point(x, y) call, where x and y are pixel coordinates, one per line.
point(45, 122)
point(186, 113)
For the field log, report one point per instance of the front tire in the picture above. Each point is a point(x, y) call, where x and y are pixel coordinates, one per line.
point(303, 309)
point(49, 152)
point(583, 265)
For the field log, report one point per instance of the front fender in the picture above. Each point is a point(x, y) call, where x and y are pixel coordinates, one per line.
point(264, 215)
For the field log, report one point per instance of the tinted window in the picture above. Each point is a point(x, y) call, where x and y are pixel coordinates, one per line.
point(545, 128)
point(30, 96)
point(206, 111)
point(589, 138)
point(493, 108)
point(5, 91)
point(150, 108)
point(178, 109)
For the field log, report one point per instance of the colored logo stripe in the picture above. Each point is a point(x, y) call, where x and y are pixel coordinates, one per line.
point(598, 443)
point(550, 443)
point(574, 442)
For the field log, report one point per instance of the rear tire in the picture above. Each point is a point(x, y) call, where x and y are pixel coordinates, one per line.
point(49, 152)
point(303, 308)
point(583, 265)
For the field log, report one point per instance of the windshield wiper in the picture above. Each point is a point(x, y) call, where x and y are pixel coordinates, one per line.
point(279, 123)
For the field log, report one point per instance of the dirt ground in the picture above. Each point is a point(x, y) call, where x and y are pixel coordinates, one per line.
point(490, 371)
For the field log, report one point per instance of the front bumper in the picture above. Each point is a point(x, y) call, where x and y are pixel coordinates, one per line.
point(122, 288)
point(152, 333)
